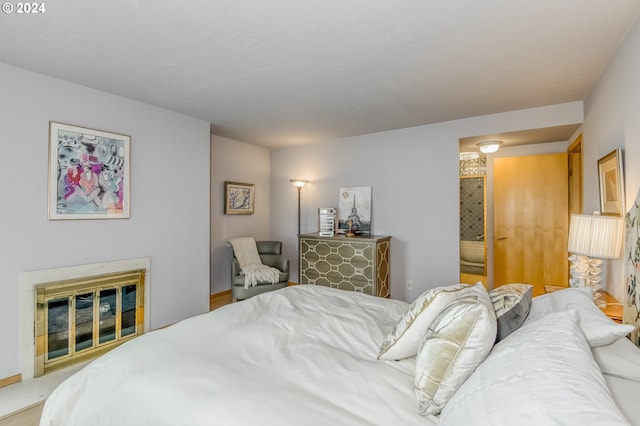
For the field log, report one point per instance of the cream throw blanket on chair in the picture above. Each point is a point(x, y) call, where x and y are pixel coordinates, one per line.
point(251, 266)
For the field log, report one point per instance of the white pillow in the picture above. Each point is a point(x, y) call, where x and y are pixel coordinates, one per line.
point(455, 343)
point(542, 374)
point(403, 341)
point(599, 329)
point(621, 359)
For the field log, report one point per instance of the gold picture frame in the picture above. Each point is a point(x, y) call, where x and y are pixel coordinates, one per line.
point(611, 181)
point(238, 197)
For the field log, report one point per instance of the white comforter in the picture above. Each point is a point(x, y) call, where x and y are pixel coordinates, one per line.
point(303, 355)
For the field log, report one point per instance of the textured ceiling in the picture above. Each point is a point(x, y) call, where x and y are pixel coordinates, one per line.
point(284, 72)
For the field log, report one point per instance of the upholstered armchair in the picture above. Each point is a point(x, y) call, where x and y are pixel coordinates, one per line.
point(271, 255)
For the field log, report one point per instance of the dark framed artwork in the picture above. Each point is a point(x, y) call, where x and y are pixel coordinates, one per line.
point(238, 198)
point(611, 182)
point(89, 174)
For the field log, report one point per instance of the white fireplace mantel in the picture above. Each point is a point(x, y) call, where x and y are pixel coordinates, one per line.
point(33, 390)
point(30, 279)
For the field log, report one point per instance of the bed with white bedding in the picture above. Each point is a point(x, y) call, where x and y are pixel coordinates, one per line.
point(309, 355)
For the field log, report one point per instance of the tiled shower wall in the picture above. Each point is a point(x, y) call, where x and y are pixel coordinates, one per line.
point(471, 208)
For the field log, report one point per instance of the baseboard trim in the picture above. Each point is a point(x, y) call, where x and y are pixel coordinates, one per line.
point(10, 380)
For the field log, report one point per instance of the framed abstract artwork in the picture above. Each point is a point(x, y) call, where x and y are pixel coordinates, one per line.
point(238, 198)
point(88, 173)
point(611, 184)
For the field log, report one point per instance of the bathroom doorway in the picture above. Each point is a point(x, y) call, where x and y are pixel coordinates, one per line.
point(473, 249)
point(516, 143)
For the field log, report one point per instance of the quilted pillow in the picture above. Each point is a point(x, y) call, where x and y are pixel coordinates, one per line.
point(511, 303)
point(403, 341)
point(542, 374)
point(599, 329)
point(456, 342)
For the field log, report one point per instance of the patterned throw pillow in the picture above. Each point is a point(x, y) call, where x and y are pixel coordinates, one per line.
point(454, 345)
point(404, 339)
point(512, 303)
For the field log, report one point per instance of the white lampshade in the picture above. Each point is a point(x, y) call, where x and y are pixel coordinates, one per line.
point(299, 183)
point(595, 236)
point(489, 146)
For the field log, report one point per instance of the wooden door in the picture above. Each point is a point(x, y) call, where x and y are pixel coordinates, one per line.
point(575, 176)
point(531, 220)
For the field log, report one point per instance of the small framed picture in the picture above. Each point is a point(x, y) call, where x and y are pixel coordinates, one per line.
point(611, 184)
point(88, 173)
point(238, 198)
point(354, 210)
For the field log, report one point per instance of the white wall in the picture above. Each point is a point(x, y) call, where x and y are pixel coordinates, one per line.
point(415, 188)
point(236, 161)
point(612, 120)
point(169, 198)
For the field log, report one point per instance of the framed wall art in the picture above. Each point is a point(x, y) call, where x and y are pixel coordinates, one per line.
point(354, 204)
point(89, 174)
point(238, 198)
point(611, 184)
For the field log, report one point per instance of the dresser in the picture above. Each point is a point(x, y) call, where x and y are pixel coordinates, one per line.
point(359, 263)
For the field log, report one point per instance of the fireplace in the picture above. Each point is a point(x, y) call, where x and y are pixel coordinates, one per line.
point(81, 318)
point(73, 303)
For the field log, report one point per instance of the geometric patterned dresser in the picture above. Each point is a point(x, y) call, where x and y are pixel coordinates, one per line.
point(358, 263)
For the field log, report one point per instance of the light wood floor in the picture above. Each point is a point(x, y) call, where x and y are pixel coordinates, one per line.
point(28, 417)
point(219, 299)
point(472, 279)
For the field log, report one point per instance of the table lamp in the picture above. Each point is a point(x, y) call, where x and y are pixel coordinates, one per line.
point(592, 238)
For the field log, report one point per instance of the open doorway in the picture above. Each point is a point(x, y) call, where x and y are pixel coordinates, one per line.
point(526, 142)
point(575, 176)
point(473, 250)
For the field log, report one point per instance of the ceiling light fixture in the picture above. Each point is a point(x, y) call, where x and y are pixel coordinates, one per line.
point(489, 146)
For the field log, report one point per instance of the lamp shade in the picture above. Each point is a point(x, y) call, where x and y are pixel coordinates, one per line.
point(595, 236)
point(298, 183)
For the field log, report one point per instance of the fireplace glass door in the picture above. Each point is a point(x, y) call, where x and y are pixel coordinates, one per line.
point(82, 318)
point(84, 321)
point(58, 328)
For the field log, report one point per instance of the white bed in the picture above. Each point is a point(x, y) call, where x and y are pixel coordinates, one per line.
point(303, 355)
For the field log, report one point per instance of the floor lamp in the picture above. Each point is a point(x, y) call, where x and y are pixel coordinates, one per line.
point(299, 184)
point(592, 238)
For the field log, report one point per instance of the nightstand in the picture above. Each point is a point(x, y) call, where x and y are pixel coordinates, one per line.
point(613, 309)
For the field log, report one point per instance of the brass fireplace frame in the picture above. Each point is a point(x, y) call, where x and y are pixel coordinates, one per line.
point(70, 289)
